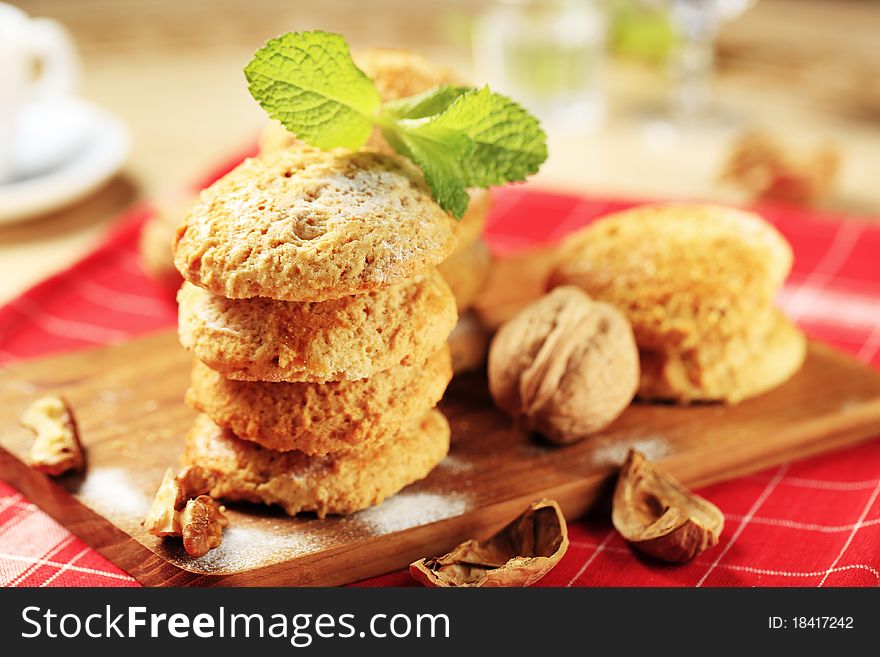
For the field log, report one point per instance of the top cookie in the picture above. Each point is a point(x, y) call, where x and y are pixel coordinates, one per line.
point(309, 225)
point(681, 273)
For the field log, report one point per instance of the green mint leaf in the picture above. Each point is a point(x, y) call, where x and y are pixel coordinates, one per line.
point(308, 81)
point(509, 144)
point(431, 102)
point(477, 139)
point(438, 152)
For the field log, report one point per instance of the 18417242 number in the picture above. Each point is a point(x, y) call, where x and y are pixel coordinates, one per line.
point(810, 623)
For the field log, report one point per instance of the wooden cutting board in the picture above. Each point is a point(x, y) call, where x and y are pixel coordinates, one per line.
point(128, 400)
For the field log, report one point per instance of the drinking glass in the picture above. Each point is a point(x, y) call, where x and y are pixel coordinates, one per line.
point(696, 22)
point(548, 55)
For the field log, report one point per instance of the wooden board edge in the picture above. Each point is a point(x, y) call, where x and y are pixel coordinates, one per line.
point(147, 567)
point(820, 441)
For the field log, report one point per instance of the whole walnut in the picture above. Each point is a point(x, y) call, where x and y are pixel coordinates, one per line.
point(565, 366)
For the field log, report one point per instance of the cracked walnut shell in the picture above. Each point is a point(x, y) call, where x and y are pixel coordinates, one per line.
point(565, 366)
point(658, 516)
point(518, 555)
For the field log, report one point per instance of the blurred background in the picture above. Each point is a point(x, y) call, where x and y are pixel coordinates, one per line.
point(731, 100)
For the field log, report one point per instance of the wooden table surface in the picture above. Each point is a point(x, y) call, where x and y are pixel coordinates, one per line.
point(808, 70)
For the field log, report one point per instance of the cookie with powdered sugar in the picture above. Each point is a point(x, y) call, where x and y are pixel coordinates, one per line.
point(302, 224)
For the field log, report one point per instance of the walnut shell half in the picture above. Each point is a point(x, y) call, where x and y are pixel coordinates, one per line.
point(518, 555)
point(658, 516)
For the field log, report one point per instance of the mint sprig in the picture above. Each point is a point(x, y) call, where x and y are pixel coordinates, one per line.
point(308, 81)
point(459, 137)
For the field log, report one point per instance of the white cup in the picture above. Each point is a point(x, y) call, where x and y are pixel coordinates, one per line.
point(37, 62)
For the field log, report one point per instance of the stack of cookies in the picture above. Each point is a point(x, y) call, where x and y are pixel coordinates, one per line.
point(400, 74)
point(697, 283)
point(319, 322)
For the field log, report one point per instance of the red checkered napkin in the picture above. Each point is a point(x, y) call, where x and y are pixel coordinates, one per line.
point(811, 523)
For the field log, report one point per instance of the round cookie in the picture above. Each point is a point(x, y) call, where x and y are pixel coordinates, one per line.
point(730, 371)
point(343, 339)
point(315, 418)
point(466, 272)
point(332, 484)
point(308, 225)
point(680, 273)
point(470, 227)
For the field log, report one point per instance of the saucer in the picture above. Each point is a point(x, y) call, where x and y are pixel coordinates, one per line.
point(89, 161)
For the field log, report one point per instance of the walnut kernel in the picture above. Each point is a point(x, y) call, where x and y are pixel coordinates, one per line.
point(57, 448)
point(202, 522)
point(162, 518)
point(166, 515)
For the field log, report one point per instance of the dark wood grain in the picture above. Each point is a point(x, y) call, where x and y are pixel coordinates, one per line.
point(128, 400)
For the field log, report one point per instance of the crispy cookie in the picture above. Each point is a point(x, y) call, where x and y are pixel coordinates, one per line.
point(317, 418)
point(682, 274)
point(729, 371)
point(308, 225)
point(332, 484)
point(343, 339)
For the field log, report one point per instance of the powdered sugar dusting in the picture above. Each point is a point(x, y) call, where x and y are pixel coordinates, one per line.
point(245, 547)
point(110, 492)
point(456, 465)
point(406, 510)
point(387, 267)
point(613, 452)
